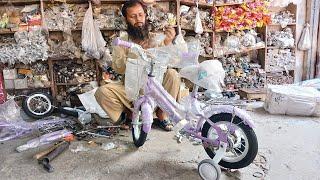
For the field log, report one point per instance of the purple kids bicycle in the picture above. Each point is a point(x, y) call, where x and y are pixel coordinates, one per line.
point(226, 131)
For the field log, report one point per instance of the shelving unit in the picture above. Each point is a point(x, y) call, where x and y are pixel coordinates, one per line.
point(190, 31)
point(285, 74)
point(174, 7)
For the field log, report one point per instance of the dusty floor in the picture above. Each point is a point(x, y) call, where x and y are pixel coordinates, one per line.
point(289, 148)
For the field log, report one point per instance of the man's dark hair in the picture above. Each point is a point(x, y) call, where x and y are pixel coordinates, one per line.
point(130, 4)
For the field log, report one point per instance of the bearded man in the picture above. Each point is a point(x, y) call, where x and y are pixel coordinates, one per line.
point(112, 97)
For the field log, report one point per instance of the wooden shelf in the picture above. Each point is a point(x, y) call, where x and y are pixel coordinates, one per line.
point(279, 71)
point(290, 24)
point(61, 58)
point(228, 4)
point(201, 5)
point(19, 2)
point(188, 29)
point(29, 88)
point(102, 1)
point(70, 84)
point(7, 31)
point(273, 47)
point(244, 50)
point(103, 29)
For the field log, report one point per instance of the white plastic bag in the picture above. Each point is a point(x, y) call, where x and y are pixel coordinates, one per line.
point(305, 40)
point(198, 25)
point(191, 56)
point(137, 72)
point(135, 77)
point(90, 103)
point(92, 40)
point(179, 40)
point(292, 100)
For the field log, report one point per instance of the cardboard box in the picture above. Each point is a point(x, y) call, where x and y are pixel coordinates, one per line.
point(9, 74)
point(21, 83)
point(9, 84)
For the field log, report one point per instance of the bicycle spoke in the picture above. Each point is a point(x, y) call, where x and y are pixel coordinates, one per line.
point(238, 150)
point(234, 152)
point(242, 145)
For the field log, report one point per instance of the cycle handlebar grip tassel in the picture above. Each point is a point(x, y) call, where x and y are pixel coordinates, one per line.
point(119, 42)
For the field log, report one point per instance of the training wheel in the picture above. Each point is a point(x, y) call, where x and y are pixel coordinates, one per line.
point(208, 170)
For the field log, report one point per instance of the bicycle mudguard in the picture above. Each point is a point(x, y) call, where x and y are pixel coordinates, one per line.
point(147, 111)
point(218, 109)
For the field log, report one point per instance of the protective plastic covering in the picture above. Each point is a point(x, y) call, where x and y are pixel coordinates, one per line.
point(44, 139)
point(292, 100)
point(90, 103)
point(137, 74)
point(13, 126)
point(92, 39)
point(208, 74)
point(189, 57)
point(311, 83)
point(162, 57)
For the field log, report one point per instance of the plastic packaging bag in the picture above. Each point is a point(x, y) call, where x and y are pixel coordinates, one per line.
point(137, 71)
point(198, 25)
point(208, 74)
point(13, 126)
point(179, 41)
point(92, 39)
point(292, 100)
point(136, 77)
point(89, 102)
point(190, 57)
point(305, 40)
point(311, 83)
point(44, 139)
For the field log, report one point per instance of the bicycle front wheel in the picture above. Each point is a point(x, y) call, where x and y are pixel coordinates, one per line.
point(138, 135)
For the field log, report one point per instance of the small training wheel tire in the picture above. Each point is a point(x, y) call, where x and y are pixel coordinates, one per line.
point(209, 170)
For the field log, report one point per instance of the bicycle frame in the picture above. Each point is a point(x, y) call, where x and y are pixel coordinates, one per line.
point(155, 94)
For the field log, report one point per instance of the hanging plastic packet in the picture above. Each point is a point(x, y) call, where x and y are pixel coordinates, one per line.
point(198, 25)
point(305, 40)
point(179, 40)
point(92, 39)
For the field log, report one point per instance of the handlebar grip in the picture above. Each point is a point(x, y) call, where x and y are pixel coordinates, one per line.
point(119, 42)
point(188, 55)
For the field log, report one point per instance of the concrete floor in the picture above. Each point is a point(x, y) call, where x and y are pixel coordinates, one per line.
point(289, 148)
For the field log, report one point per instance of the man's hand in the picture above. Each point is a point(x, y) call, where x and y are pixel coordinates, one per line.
point(170, 33)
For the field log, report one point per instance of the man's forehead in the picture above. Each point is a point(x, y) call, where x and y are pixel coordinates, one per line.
point(135, 9)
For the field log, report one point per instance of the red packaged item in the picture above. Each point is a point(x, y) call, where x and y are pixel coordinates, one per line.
point(2, 91)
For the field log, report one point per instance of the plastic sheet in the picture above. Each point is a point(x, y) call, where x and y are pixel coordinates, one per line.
point(44, 139)
point(13, 126)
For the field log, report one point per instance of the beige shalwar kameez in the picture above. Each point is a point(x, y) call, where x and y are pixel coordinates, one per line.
point(112, 97)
